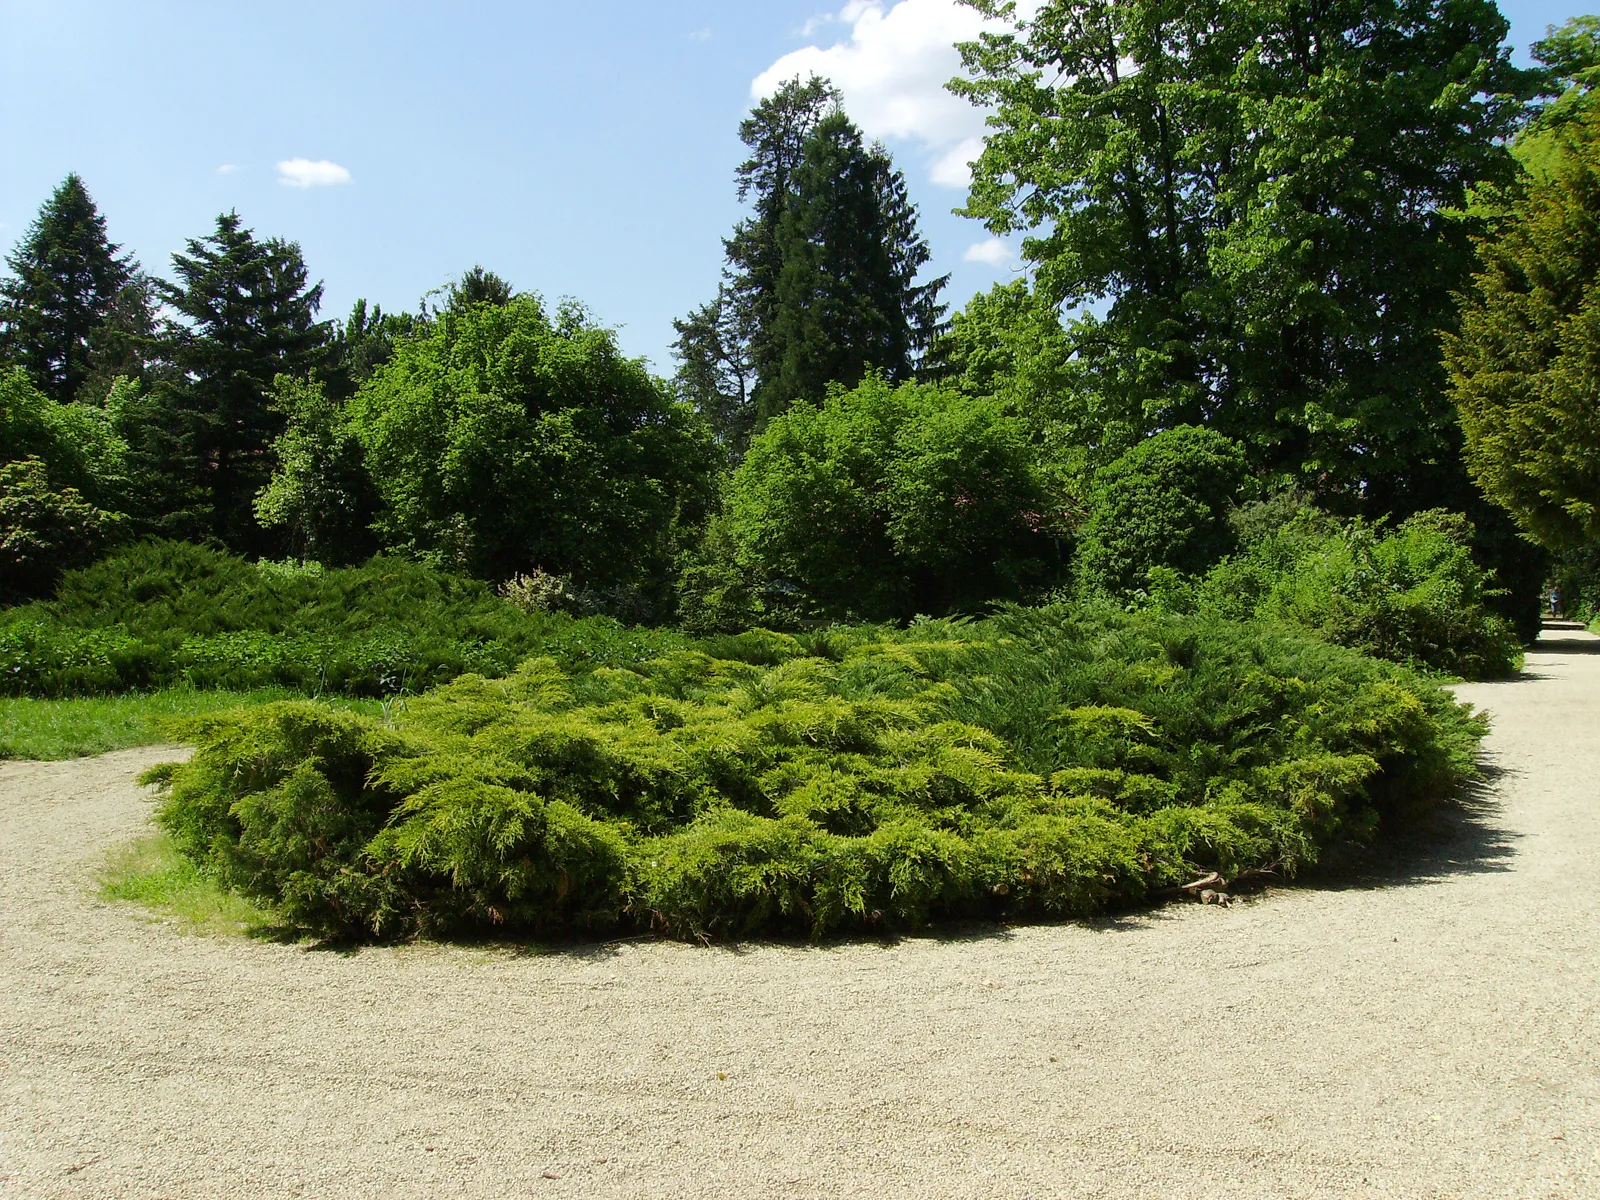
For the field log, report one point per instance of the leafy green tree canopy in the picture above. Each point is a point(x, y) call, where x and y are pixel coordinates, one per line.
point(1009, 343)
point(1525, 366)
point(59, 464)
point(502, 440)
point(66, 279)
point(1570, 54)
point(888, 501)
point(320, 494)
point(78, 446)
point(1258, 200)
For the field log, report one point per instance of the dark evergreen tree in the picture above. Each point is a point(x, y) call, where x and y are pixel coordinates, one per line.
point(479, 286)
point(245, 315)
point(820, 278)
point(67, 278)
point(847, 299)
point(126, 344)
point(716, 370)
point(361, 344)
point(776, 132)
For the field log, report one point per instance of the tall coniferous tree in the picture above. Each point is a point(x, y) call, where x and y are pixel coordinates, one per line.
point(776, 132)
point(245, 315)
point(716, 370)
point(66, 279)
point(847, 300)
point(828, 215)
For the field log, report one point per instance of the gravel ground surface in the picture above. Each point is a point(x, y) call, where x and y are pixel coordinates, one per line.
point(1431, 1032)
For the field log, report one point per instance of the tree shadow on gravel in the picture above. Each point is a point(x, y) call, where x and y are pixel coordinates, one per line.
point(1461, 836)
point(1564, 645)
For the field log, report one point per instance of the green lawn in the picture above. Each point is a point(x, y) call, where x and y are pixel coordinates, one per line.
point(56, 729)
point(153, 875)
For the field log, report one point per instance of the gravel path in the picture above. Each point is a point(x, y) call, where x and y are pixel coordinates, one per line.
point(1432, 1033)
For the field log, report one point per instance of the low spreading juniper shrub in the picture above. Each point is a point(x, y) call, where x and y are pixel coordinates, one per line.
point(166, 613)
point(1038, 764)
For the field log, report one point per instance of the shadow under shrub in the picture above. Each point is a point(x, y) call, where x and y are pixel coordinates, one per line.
point(1038, 764)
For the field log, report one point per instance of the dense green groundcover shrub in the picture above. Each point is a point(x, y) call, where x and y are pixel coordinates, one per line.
point(163, 613)
point(1037, 764)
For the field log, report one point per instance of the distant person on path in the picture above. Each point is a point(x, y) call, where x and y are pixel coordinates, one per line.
point(1555, 602)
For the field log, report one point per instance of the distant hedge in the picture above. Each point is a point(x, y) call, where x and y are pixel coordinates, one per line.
point(164, 613)
point(1039, 764)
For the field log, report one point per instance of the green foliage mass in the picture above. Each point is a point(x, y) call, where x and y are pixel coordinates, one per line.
point(165, 613)
point(320, 494)
point(1162, 505)
point(1009, 344)
point(884, 502)
point(45, 531)
point(67, 279)
point(1411, 594)
point(78, 444)
point(58, 464)
point(501, 441)
point(1039, 764)
point(1576, 579)
point(1261, 204)
point(1525, 366)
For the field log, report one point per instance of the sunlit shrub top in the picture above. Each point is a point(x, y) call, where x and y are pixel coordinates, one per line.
point(1043, 763)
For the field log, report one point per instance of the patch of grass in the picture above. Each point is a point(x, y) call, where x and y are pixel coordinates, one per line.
point(75, 728)
point(152, 874)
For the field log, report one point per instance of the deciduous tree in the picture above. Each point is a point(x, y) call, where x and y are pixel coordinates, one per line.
point(1254, 207)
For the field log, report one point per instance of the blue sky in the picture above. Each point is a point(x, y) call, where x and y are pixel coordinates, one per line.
point(577, 149)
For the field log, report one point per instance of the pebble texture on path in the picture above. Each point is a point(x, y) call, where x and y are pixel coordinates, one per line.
point(1433, 1033)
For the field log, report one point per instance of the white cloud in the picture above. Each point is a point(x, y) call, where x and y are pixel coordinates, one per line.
point(994, 252)
point(892, 69)
point(953, 168)
point(229, 168)
point(700, 35)
point(306, 173)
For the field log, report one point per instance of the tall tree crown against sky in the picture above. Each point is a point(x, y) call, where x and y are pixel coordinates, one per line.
point(583, 150)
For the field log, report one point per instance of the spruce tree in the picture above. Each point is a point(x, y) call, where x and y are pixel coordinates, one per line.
point(716, 372)
point(847, 301)
point(820, 282)
point(245, 316)
point(66, 280)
